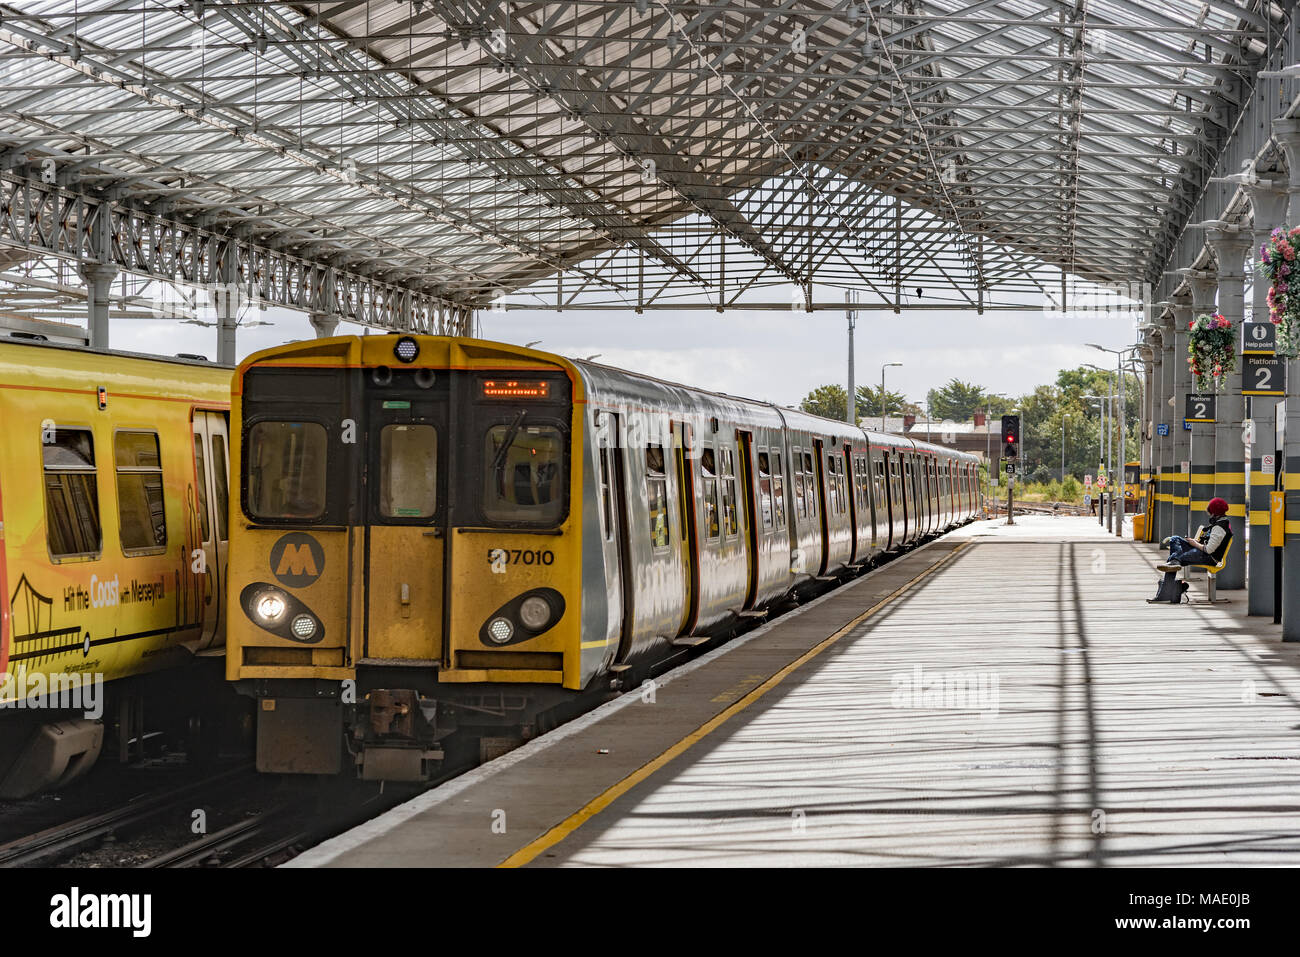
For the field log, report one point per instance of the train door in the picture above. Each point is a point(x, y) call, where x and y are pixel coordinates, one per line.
point(818, 474)
point(404, 539)
point(745, 440)
point(909, 498)
point(212, 500)
point(690, 544)
point(852, 488)
point(930, 484)
point(610, 489)
point(879, 502)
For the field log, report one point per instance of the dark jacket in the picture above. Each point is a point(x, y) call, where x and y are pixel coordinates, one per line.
point(1221, 522)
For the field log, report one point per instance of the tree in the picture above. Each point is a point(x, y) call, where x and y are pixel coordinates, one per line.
point(830, 401)
point(869, 402)
point(958, 401)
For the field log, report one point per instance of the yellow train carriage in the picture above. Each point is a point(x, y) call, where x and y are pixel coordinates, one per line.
point(112, 529)
point(358, 573)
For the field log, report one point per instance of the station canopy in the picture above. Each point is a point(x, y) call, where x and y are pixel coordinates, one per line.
point(644, 152)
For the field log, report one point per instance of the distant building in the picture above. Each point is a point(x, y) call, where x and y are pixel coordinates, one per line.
point(973, 436)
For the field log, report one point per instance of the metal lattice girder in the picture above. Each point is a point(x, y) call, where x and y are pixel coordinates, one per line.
point(460, 149)
point(49, 220)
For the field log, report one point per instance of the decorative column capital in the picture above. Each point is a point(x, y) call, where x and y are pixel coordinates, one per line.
point(1204, 284)
point(1230, 247)
point(97, 272)
point(1267, 206)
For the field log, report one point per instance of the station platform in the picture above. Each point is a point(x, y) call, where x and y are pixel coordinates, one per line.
point(1001, 696)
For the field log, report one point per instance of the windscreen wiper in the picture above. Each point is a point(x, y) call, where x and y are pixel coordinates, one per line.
point(500, 457)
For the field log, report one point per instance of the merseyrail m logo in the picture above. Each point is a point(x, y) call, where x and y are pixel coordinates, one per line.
point(297, 560)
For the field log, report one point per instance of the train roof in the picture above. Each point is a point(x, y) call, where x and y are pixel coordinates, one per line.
point(593, 372)
point(193, 361)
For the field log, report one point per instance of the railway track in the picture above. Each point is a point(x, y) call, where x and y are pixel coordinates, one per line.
point(74, 835)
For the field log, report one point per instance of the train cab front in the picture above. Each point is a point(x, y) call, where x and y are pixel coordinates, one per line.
point(405, 548)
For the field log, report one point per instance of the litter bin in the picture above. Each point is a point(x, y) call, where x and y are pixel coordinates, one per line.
point(1140, 527)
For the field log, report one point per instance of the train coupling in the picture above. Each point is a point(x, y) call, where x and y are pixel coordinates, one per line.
point(395, 737)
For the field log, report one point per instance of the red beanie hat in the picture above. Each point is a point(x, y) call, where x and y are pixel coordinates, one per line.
point(1217, 506)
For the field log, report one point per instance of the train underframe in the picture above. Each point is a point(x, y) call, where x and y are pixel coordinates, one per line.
point(188, 710)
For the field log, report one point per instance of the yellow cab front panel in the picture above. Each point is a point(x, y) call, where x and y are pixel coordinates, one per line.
point(408, 519)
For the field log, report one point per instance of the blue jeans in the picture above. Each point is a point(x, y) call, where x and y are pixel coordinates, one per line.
point(1184, 552)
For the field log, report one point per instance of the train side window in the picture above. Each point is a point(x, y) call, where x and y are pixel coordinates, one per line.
point(778, 489)
point(730, 514)
point(408, 470)
point(800, 504)
point(832, 484)
point(765, 487)
point(810, 484)
point(142, 521)
point(71, 494)
point(285, 467)
point(606, 494)
point(201, 471)
point(709, 486)
point(221, 479)
point(656, 487)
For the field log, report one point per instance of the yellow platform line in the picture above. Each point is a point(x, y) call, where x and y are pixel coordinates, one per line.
point(575, 820)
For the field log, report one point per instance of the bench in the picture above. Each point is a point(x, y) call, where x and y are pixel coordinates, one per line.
point(1211, 571)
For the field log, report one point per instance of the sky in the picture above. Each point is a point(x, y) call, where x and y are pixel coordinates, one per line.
point(777, 356)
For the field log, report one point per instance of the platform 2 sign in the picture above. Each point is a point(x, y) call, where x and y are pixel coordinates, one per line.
point(1262, 375)
point(1258, 338)
point(1200, 408)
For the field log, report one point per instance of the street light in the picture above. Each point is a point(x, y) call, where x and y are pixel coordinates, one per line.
point(1064, 419)
point(1117, 528)
point(882, 392)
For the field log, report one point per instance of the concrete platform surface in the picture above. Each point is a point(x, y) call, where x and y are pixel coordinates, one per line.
point(987, 700)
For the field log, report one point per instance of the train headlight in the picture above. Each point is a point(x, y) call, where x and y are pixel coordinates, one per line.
point(406, 350)
point(535, 613)
point(269, 607)
point(304, 626)
point(500, 630)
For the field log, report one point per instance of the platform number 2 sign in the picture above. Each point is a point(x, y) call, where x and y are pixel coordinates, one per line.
point(1262, 375)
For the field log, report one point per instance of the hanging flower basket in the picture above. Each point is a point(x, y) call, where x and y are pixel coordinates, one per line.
point(1210, 348)
point(1277, 261)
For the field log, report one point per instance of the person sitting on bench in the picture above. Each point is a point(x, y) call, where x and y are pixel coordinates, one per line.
point(1207, 549)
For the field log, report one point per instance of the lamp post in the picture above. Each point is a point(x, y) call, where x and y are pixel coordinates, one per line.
point(1064, 419)
point(882, 391)
point(851, 299)
point(1117, 519)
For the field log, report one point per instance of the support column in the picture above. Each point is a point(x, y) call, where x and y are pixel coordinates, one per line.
point(1181, 446)
point(323, 323)
point(98, 278)
point(1287, 132)
point(1205, 285)
point(1268, 208)
point(1230, 247)
point(1150, 353)
point(1165, 461)
point(226, 303)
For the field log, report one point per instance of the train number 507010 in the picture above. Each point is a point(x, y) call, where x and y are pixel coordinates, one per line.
point(520, 556)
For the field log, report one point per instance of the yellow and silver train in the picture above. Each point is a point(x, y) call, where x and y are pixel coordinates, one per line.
point(113, 489)
point(437, 535)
